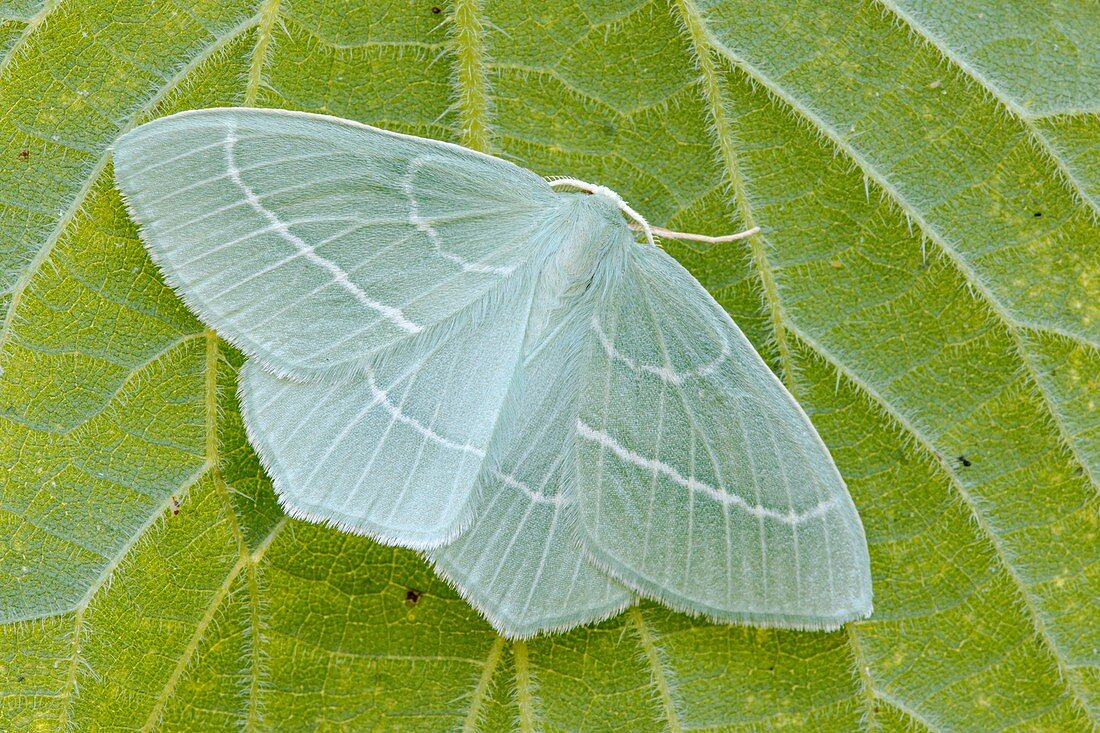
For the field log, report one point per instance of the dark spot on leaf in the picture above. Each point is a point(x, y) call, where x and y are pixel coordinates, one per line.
point(436, 10)
point(1078, 471)
point(175, 506)
point(1038, 215)
point(412, 597)
point(966, 462)
point(20, 678)
point(24, 154)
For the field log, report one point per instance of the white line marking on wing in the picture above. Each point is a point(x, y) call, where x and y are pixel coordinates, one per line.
point(666, 373)
point(537, 497)
point(424, 225)
point(289, 258)
point(394, 315)
point(381, 397)
point(651, 464)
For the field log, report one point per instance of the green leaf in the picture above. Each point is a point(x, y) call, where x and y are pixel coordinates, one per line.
point(927, 283)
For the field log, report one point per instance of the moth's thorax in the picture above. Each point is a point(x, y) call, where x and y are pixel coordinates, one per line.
point(590, 230)
point(589, 240)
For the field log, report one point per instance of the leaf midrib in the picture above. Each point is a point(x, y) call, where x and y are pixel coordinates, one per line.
point(930, 232)
point(660, 678)
point(268, 14)
point(470, 79)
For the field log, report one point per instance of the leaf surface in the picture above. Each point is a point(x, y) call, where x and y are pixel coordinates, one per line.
point(927, 283)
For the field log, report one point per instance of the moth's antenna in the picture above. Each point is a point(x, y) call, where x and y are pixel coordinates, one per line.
point(669, 234)
point(640, 224)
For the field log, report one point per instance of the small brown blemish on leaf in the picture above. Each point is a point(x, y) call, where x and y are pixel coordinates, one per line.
point(966, 462)
point(436, 10)
point(1038, 215)
point(836, 263)
point(24, 154)
point(175, 506)
point(412, 597)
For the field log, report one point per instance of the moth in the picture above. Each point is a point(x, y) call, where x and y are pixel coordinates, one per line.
point(450, 353)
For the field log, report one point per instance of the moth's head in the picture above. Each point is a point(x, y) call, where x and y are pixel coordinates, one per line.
point(610, 205)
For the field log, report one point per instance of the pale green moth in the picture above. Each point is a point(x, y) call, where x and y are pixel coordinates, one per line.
point(448, 353)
